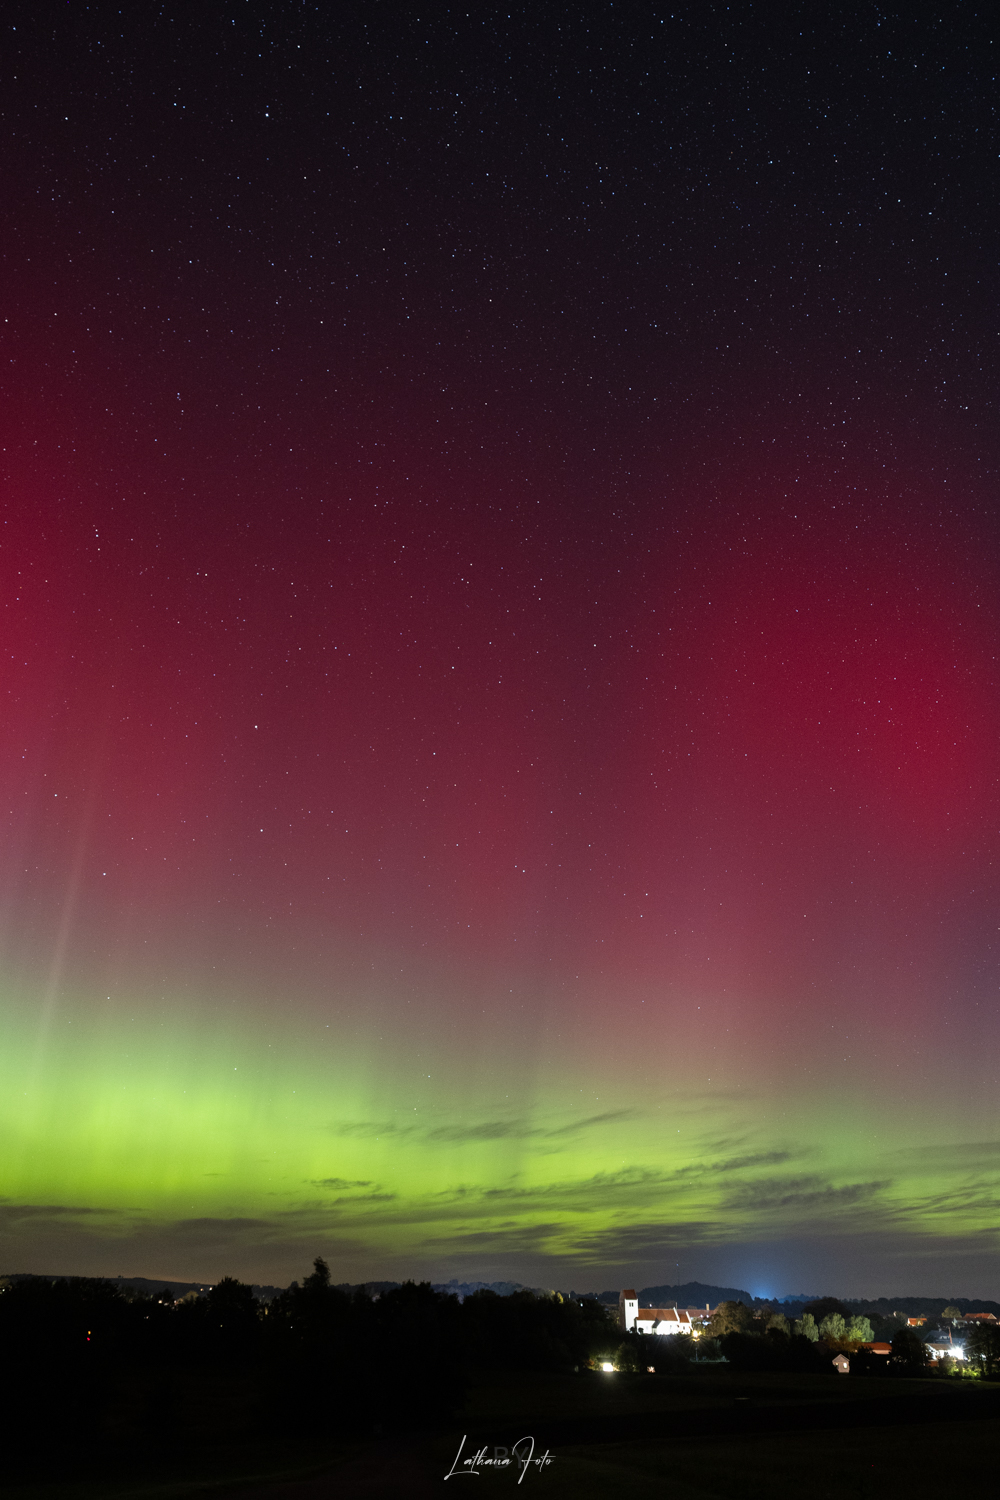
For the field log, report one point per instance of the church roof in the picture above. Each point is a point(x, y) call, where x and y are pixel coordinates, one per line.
point(662, 1315)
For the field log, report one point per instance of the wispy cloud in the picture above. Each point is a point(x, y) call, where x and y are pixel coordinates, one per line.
point(634, 1213)
point(511, 1238)
point(215, 1225)
point(521, 1129)
point(373, 1130)
point(800, 1195)
point(341, 1184)
point(971, 1156)
point(490, 1130)
point(963, 1201)
point(735, 1164)
point(624, 1244)
point(458, 1132)
point(591, 1122)
point(16, 1213)
point(355, 1200)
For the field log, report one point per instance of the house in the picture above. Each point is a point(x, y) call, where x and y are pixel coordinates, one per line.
point(943, 1350)
point(878, 1347)
point(700, 1315)
point(662, 1320)
point(842, 1364)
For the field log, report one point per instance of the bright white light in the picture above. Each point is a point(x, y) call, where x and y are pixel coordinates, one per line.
point(608, 1367)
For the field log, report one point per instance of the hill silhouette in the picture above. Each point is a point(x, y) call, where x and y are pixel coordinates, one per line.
point(692, 1294)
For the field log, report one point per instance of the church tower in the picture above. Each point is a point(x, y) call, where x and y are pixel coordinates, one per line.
point(628, 1306)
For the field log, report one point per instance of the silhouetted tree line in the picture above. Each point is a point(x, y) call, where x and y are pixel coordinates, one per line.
point(88, 1370)
point(750, 1341)
point(872, 1307)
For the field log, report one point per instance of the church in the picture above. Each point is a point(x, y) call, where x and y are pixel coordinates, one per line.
point(664, 1320)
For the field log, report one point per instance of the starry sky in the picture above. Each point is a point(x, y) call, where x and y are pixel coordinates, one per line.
point(500, 628)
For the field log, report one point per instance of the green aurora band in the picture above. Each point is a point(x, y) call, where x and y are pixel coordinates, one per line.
point(201, 1147)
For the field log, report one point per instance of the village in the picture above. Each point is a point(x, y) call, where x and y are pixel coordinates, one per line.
point(942, 1339)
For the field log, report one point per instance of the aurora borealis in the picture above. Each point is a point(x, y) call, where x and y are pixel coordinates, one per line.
point(500, 636)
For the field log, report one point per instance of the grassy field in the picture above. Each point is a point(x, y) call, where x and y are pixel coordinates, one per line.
point(720, 1434)
point(710, 1433)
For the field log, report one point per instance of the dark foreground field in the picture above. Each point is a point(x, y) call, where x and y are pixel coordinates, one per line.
point(707, 1433)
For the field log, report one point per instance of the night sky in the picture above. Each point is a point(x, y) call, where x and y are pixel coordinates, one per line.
point(501, 644)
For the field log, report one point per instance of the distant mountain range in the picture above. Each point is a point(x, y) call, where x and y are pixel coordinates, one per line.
point(178, 1289)
point(466, 1288)
point(688, 1294)
point(450, 1288)
point(147, 1288)
point(692, 1294)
